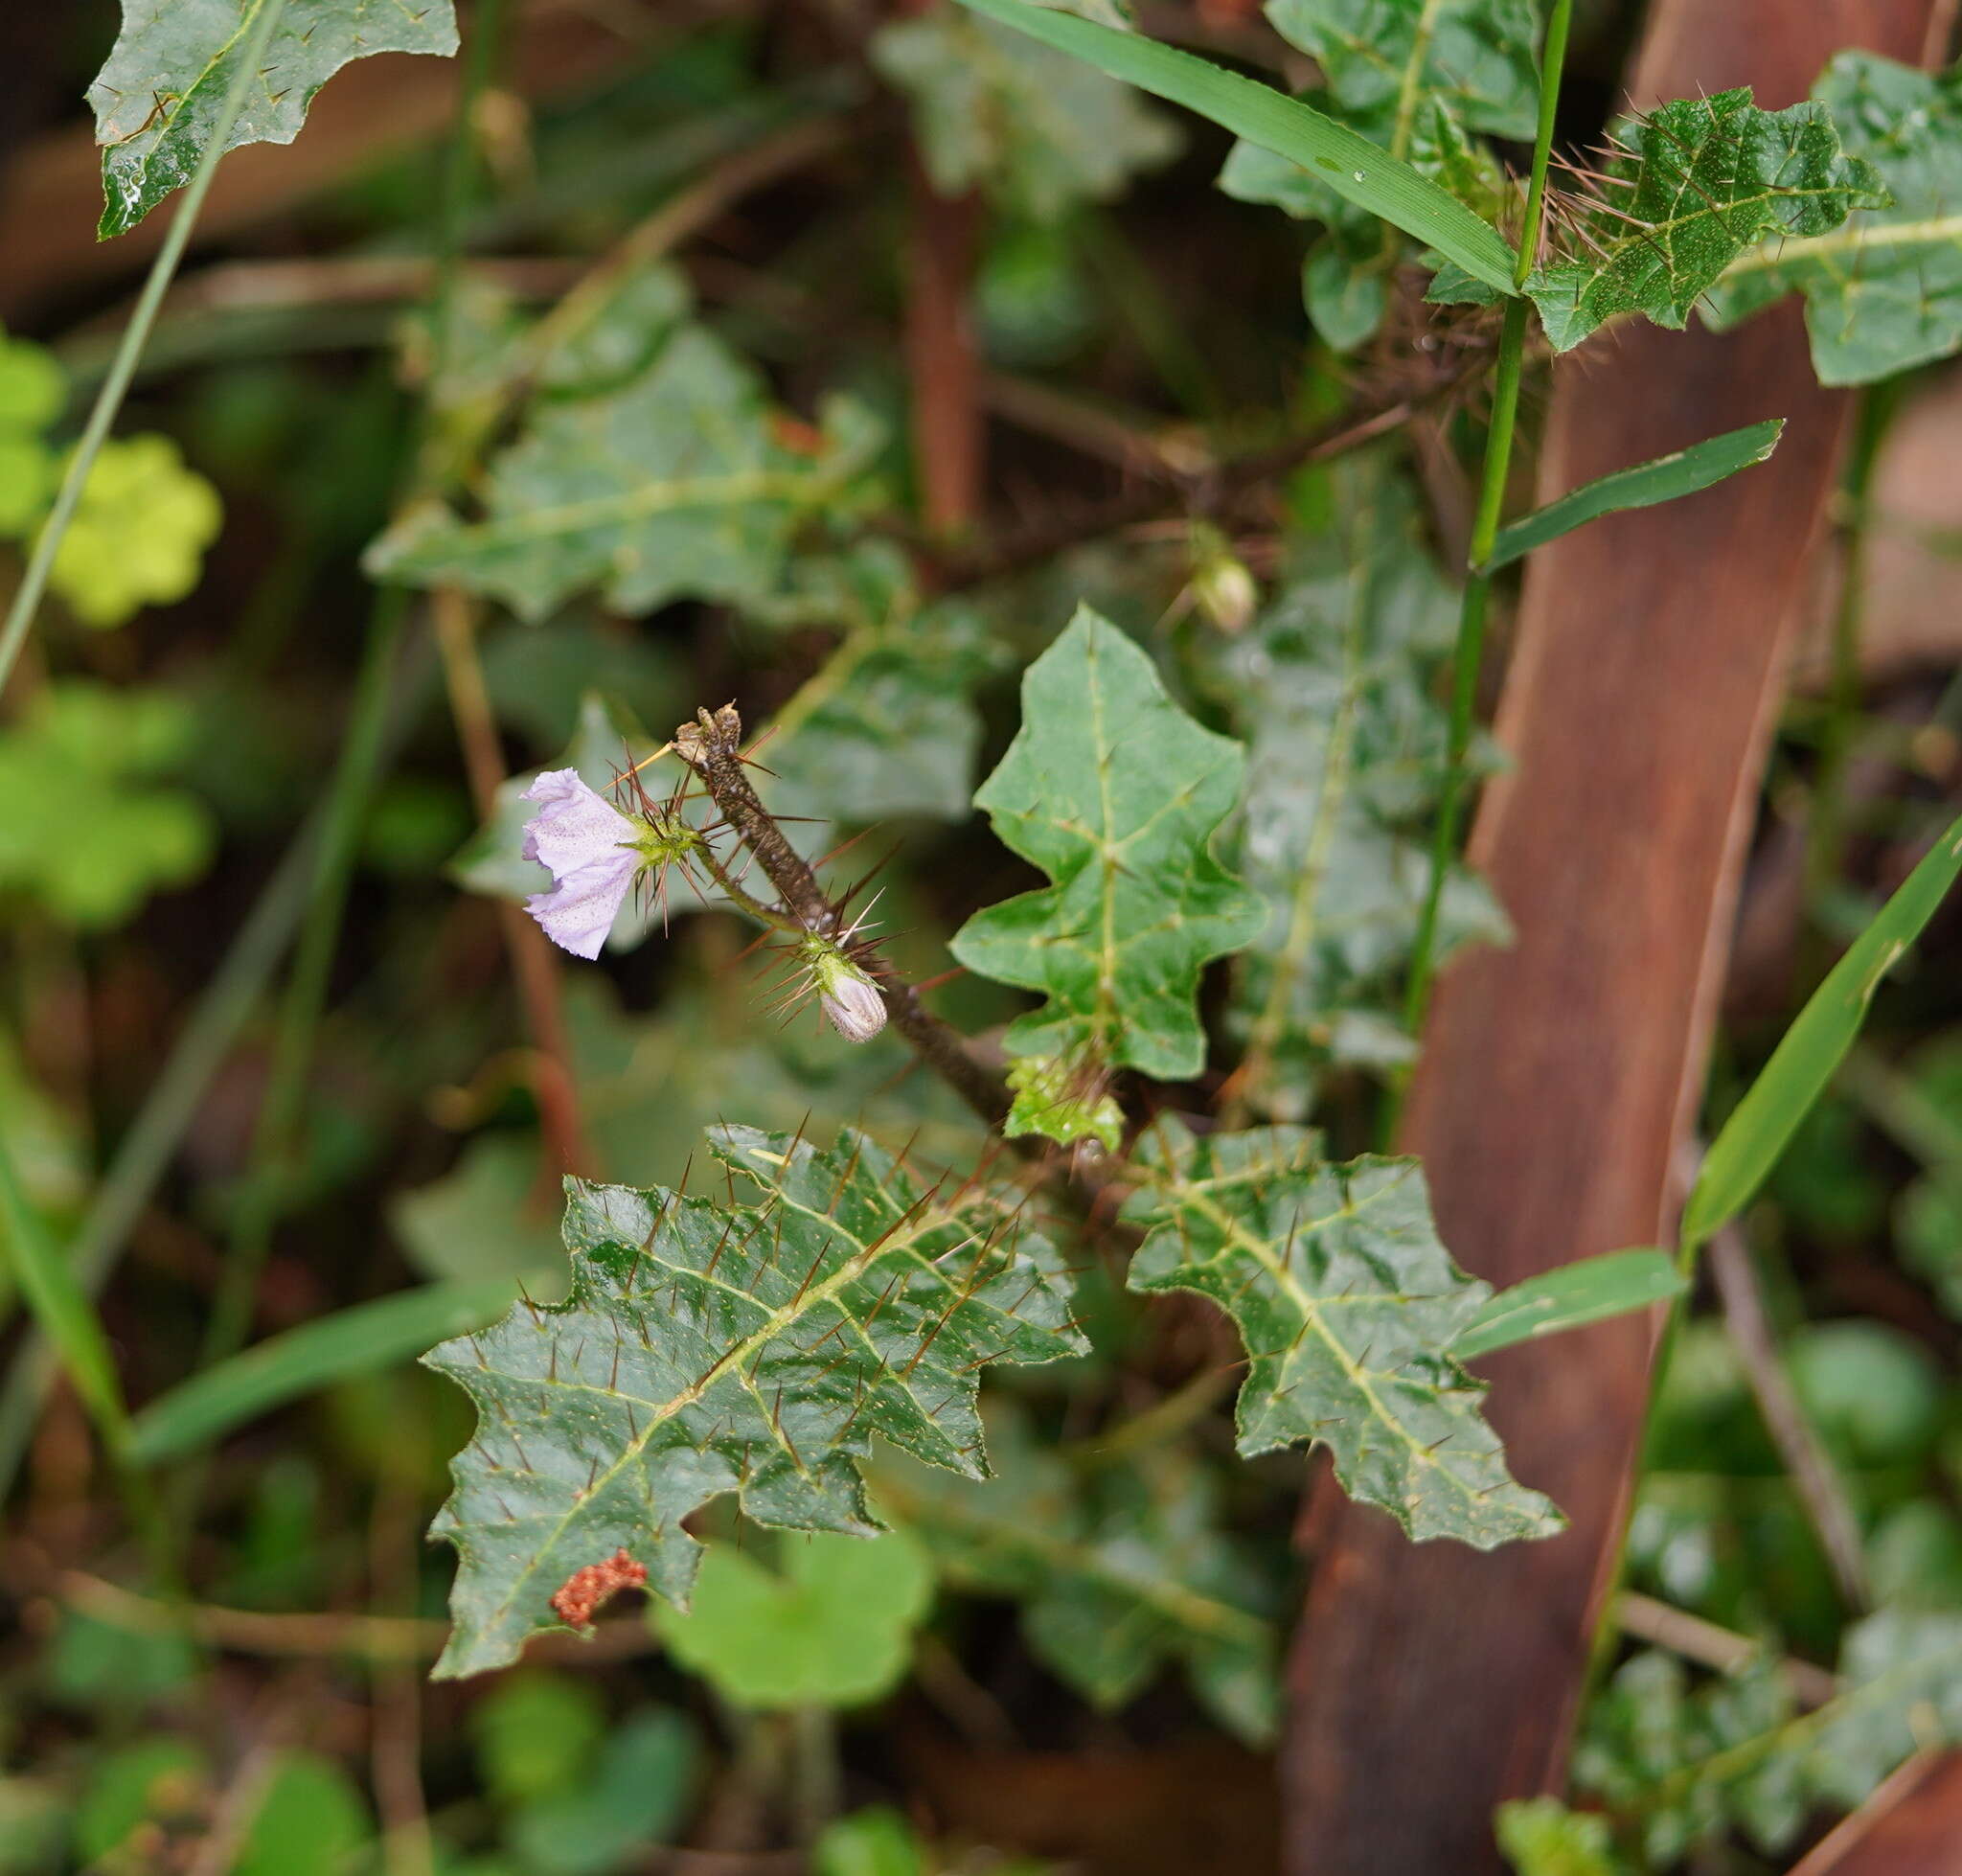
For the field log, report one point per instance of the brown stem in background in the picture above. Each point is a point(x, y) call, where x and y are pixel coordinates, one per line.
point(949, 433)
point(395, 1745)
point(1813, 1474)
point(553, 1085)
point(712, 746)
point(1210, 493)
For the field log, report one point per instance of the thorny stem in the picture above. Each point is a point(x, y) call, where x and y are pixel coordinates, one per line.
point(712, 746)
point(1477, 594)
point(740, 895)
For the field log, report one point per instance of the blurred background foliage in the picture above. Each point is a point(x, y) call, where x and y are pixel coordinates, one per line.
point(1075, 1666)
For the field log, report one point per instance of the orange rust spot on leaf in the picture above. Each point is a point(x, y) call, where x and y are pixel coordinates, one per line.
point(584, 1590)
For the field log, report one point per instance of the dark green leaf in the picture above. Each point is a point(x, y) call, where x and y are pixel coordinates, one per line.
point(1474, 59)
point(1883, 293)
point(1348, 1305)
point(1683, 1764)
point(310, 1821)
point(1346, 742)
point(1751, 1141)
point(1042, 132)
point(1118, 1568)
point(1358, 171)
point(1568, 1297)
point(159, 98)
point(634, 1792)
point(1115, 793)
point(710, 1348)
point(673, 484)
point(1704, 180)
point(1681, 473)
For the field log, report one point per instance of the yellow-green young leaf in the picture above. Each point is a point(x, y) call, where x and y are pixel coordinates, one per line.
point(1041, 131)
point(33, 387)
point(1692, 186)
point(138, 534)
point(1115, 793)
point(674, 482)
point(1353, 168)
point(1884, 292)
point(159, 98)
point(1681, 473)
point(710, 1347)
point(1763, 1123)
point(1348, 1304)
point(831, 1626)
point(1333, 689)
point(1119, 1569)
point(1540, 1837)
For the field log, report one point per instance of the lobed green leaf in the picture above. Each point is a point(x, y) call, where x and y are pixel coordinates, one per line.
point(747, 1348)
point(1332, 687)
point(1883, 293)
point(1348, 1304)
point(159, 98)
point(1704, 180)
point(1115, 793)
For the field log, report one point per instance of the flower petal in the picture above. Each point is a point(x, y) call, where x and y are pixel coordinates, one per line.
point(579, 911)
point(586, 844)
point(574, 826)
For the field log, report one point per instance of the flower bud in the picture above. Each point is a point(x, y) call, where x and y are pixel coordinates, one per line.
point(1225, 592)
point(848, 997)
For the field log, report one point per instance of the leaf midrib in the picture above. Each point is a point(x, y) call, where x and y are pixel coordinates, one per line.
point(1310, 1307)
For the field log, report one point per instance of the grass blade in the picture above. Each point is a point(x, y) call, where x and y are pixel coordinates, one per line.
point(34, 580)
point(351, 1342)
point(65, 1315)
point(1681, 473)
point(1356, 168)
point(1587, 1290)
point(1763, 1123)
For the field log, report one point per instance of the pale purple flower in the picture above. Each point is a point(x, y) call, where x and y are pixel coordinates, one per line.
point(591, 850)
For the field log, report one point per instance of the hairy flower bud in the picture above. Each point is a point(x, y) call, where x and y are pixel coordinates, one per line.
point(849, 998)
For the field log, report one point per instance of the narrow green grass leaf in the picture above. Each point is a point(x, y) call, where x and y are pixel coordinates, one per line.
point(65, 1315)
point(351, 1342)
point(1681, 473)
point(1801, 1065)
point(1358, 171)
point(1587, 1290)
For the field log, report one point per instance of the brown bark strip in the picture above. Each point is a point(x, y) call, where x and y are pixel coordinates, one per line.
point(1559, 1078)
point(1911, 1827)
point(943, 359)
